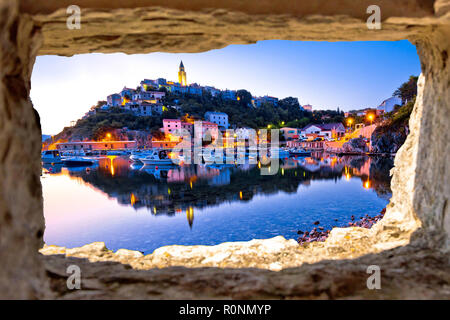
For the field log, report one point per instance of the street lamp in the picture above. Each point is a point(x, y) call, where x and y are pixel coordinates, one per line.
point(370, 117)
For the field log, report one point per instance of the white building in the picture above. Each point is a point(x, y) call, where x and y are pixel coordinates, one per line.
point(389, 104)
point(220, 118)
point(326, 130)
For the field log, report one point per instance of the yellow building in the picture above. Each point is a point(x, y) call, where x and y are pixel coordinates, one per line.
point(182, 75)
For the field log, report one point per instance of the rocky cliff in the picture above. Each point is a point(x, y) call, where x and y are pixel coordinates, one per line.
point(356, 145)
point(389, 138)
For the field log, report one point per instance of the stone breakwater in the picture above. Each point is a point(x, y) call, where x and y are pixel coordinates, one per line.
point(319, 234)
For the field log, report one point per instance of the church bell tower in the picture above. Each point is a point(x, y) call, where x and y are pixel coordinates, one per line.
point(182, 75)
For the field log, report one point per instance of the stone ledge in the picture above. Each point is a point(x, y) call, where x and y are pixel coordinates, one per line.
point(272, 254)
point(406, 273)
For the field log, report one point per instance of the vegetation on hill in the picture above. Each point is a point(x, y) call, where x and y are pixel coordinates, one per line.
point(242, 113)
point(390, 136)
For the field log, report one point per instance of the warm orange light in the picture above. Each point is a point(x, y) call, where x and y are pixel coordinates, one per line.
point(190, 216)
point(133, 199)
point(108, 135)
point(111, 164)
point(240, 195)
point(367, 184)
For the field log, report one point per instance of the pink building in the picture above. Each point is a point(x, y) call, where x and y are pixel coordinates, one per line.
point(173, 126)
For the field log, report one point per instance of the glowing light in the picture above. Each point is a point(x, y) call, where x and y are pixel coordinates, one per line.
point(133, 199)
point(111, 164)
point(190, 216)
point(168, 191)
point(108, 135)
point(367, 184)
point(154, 210)
point(282, 171)
point(240, 195)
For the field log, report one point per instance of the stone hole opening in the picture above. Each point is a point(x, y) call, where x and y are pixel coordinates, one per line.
point(344, 241)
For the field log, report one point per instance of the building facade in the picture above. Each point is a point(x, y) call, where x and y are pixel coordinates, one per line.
point(220, 118)
point(95, 145)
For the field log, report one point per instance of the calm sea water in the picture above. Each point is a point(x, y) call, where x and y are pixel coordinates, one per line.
point(143, 208)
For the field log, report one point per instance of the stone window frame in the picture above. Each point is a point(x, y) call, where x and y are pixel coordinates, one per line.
point(417, 221)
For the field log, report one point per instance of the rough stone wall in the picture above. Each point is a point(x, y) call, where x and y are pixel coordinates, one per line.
point(420, 187)
point(21, 220)
point(432, 139)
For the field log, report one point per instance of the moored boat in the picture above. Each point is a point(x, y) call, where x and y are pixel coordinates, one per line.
point(77, 162)
point(299, 152)
point(51, 156)
point(157, 157)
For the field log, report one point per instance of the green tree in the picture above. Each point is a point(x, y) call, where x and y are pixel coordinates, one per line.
point(408, 90)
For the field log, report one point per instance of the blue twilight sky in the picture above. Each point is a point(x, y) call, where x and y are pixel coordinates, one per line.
point(327, 75)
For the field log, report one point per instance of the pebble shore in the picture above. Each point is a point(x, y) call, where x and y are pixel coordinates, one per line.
point(320, 234)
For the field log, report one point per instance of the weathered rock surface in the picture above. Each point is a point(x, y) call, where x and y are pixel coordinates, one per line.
point(406, 273)
point(355, 145)
point(418, 217)
point(388, 139)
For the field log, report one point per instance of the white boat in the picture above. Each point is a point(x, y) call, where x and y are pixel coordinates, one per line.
point(299, 152)
point(279, 153)
point(51, 156)
point(157, 157)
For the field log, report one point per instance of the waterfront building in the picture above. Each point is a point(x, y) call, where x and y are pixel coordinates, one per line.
point(96, 145)
point(290, 133)
point(307, 145)
point(220, 118)
point(326, 130)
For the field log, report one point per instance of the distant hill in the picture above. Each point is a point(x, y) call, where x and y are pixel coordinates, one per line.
point(45, 137)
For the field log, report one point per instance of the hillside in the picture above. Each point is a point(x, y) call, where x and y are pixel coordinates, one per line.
point(391, 135)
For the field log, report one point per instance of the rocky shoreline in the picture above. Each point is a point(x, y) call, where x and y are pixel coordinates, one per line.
point(320, 234)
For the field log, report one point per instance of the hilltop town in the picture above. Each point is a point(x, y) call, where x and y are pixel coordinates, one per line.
point(148, 115)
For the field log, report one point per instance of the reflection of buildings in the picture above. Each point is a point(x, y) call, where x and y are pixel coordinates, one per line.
point(179, 189)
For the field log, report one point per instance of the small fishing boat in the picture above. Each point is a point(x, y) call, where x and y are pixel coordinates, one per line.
point(51, 156)
point(299, 152)
point(157, 157)
point(77, 162)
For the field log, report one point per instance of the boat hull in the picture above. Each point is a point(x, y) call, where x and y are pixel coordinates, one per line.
point(300, 154)
point(78, 163)
point(155, 162)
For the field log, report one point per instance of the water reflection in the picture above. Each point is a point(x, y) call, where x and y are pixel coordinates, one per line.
point(141, 208)
point(171, 189)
